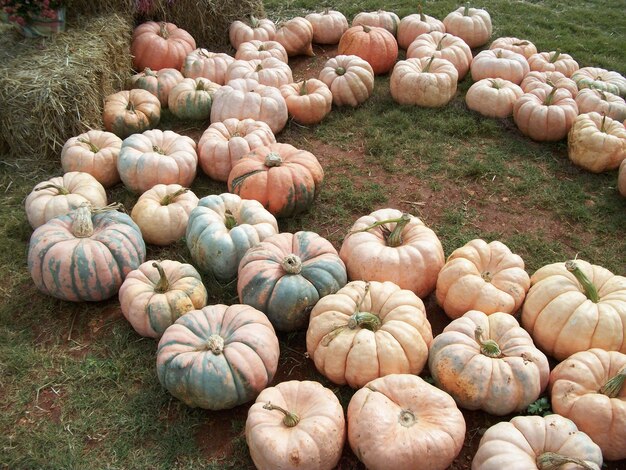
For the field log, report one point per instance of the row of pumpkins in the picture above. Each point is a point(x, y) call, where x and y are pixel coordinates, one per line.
point(371, 333)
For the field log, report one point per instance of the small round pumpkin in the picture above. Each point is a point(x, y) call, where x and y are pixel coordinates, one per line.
point(473, 25)
point(201, 63)
point(130, 112)
point(545, 115)
point(493, 97)
point(499, 63)
point(548, 80)
point(375, 45)
point(255, 49)
point(442, 46)
point(521, 46)
point(424, 82)
point(271, 71)
point(160, 46)
point(157, 293)
point(602, 102)
point(261, 29)
point(414, 25)
point(191, 99)
point(308, 101)
point(596, 143)
point(328, 26)
point(296, 36)
point(94, 152)
point(554, 61)
point(600, 79)
point(159, 82)
point(350, 79)
point(387, 20)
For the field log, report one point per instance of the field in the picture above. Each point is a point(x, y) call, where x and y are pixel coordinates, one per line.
point(78, 385)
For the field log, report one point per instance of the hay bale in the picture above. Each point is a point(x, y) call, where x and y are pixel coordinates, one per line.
point(77, 8)
point(52, 89)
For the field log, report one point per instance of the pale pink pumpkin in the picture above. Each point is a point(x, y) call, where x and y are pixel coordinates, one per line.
point(601, 79)
point(159, 82)
point(271, 71)
point(94, 152)
point(442, 46)
point(548, 80)
point(554, 61)
point(414, 25)
point(308, 101)
point(426, 82)
point(201, 63)
point(603, 102)
point(296, 36)
point(473, 25)
point(379, 19)
point(499, 63)
point(521, 46)
point(349, 78)
point(545, 115)
point(261, 29)
point(596, 143)
point(256, 49)
point(328, 26)
point(493, 97)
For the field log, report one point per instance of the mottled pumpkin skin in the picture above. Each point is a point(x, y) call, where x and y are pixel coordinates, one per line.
point(131, 111)
point(218, 357)
point(159, 82)
point(286, 298)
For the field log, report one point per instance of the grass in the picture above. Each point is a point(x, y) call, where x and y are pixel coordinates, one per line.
point(79, 386)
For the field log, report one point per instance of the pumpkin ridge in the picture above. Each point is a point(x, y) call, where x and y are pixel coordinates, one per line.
point(239, 180)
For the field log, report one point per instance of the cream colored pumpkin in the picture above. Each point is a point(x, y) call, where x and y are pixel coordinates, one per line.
point(600, 79)
point(499, 63)
point(350, 79)
point(521, 46)
point(442, 46)
point(493, 97)
point(554, 61)
point(271, 71)
point(201, 63)
point(94, 152)
point(545, 115)
point(255, 49)
point(381, 19)
point(602, 102)
point(414, 25)
point(423, 82)
point(296, 36)
point(548, 80)
point(473, 25)
point(308, 101)
point(260, 29)
point(328, 26)
point(596, 143)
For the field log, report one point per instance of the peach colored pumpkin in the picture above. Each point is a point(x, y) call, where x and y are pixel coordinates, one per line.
point(157, 157)
point(296, 425)
point(600, 79)
point(442, 46)
point(260, 29)
point(554, 61)
point(499, 63)
point(545, 115)
point(535, 442)
point(296, 36)
point(548, 80)
point(309, 101)
point(201, 63)
point(225, 143)
point(493, 97)
point(159, 82)
point(388, 245)
point(255, 49)
point(94, 152)
point(157, 293)
point(588, 388)
point(426, 82)
point(271, 71)
point(162, 213)
point(602, 102)
point(380, 19)
point(368, 330)
point(575, 306)
point(488, 362)
point(245, 98)
point(482, 276)
point(131, 112)
point(350, 79)
point(60, 195)
point(160, 46)
point(375, 45)
point(621, 179)
point(596, 143)
point(414, 25)
point(191, 99)
point(402, 422)
point(328, 26)
point(473, 25)
point(286, 180)
point(521, 46)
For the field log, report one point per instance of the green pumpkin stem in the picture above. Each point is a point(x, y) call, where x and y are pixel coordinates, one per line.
point(430, 61)
point(326, 11)
point(290, 420)
point(163, 285)
point(215, 344)
point(292, 264)
point(590, 290)
point(91, 146)
point(550, 97)
point(163, 30)
point(253, 21)
point(60, 189)
point(303, 90)
point(521, 43)
point(440, 43)
point(421, 12)
point(494, 83)
point(466, 9)
point(158, 149)
point(555, 57)
point(273, 159)
point(554, 461)
point(340, 71)
point(603, 122)
point(200, 85)
point(366, 29)
point(148, 72)
point(169, 198)
point(613, 386)
point(393, 238)
point(229, 220)
point(366, 320)
point(130, 106)
point(488, 347)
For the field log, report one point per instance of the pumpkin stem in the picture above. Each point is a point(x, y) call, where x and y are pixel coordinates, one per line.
point(603, 121)
point(553, 461)
point(303, 90)
point(203, 52)
point(130, 106)
point(440, 43)
point(253, 21)
point(215, 344)
point(365, 320)
point(258, 68)
point(430, 61)
point(158, 149)
point(229, 220)
point(290, 419)
point(488, 347)
point(420, 12)
point(406, 418)
point(494, 83)
point(169, 198)
point(60, 189)
point(393, 238)
point(555, 57)
point(82, 225)
point(163, 285)
point(148, 72)
point(366, 29)
point(261, 48)
point(487, 276)
point(292, 264)
point(340, 70)
point(92, 147)
point(550, 97)
point(613, 386)
point(521, 43)
point(326, 11)
point(466, 9)
point(590, 290)
point(499, 54)
point(164, 32)
point(273, 159)
point(200, 85)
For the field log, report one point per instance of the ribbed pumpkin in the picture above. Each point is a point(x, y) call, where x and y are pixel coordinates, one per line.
point(131, 112)
point(308, 101)
point(414, 25)
point(499, 63)
point(83, 256)
point(255, 49)
point(488, 362)
point(380, 19)
point(473, 25)
point(286, 180)
point(262, 29)
point(545, 115)
point(388, 245)
point(375, 45)
point(493, 97)
point(94, 152)
point(157, 293)
point(521, 46)
point(159, 82)
point(160, 46)
point(424, 82)
point(328, 26)
point(222, 228)
point(366, 331)
point(286, 274)
point(603, 102)
point(350, 79)
point(270, 71)
point(600, 79)
point(201, 63)
point(548, 80)
point(191, 99)
point(296, 36)
point(554, 61)
point(442, 46)
point(596, 143)
point(218, 357)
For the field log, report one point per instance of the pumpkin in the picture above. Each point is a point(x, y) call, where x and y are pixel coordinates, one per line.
point(473, 25)
point(536, 442)
point(442, 46)
point(286, 180)
point(62, 194)
point(548, 80)
point(159, 82)
point(366, 331)
point(588, 388)
point(191, 99)
point(328, 26)
point(414, 25)
point(388, 245)
point(225, 143)
point(157, 157)
point(130, 112)
point(349, 78)
point(296, 36)
point(596, 143)
point(157, 293)
point(286, 274)
point(256, 49)
point(94, 152)
point(493, 97)
point(545, 115)
point(499, 63)
point(554, 61)
point(621, 179)
point(488, 362)
point(160, 46)
point(271, 71)
point(482, 276)
point(575, 306)
point(602, 102)
point(308, 101)
point(400, 420)
point(201, 63)
point(261, 29)
point(218, 357)
point(380, 19)
point(245, 98)
point(162, 213)
point(85, 255)
point(375, 45)
point(424, 82)
point(600, 79)
point(521, 46)
point(222, 228)
point(296, 425)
